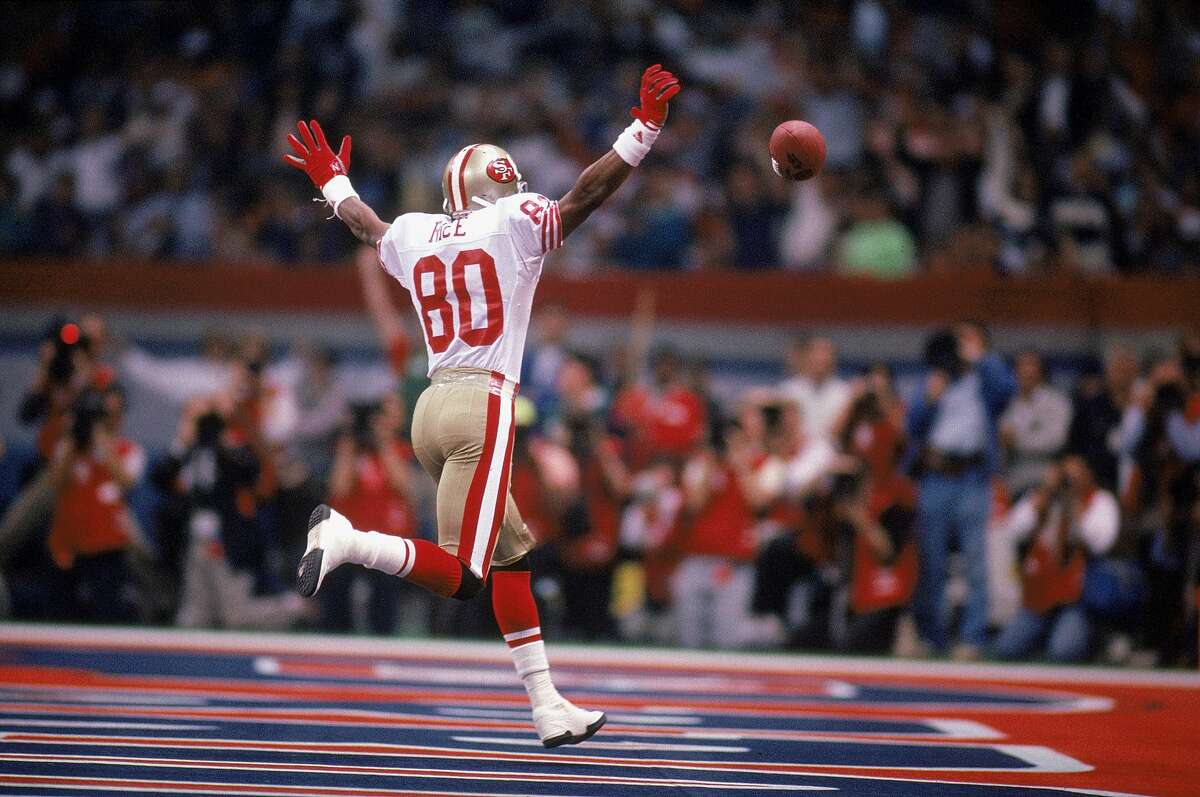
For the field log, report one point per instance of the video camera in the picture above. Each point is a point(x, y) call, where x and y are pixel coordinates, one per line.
point(362, 425)
point(68, 339)
point(88, 411)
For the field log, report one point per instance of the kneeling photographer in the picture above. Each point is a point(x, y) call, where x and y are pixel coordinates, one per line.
point(226, 580)
point(93, 531)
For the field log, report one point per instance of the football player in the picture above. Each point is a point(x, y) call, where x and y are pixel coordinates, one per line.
point(471, 273)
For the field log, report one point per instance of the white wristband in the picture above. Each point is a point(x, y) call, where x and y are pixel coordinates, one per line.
point(635, 141)
point(337, 191)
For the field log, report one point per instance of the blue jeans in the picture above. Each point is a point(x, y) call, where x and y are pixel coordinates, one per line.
point(1068, 628)
point(952, 507)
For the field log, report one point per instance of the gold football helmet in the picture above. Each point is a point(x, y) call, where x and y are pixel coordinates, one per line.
point(479, 174)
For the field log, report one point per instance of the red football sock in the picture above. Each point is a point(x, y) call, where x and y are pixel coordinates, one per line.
point(434, 569)
point(516, 613)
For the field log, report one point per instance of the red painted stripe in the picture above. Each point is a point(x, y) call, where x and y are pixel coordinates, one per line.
point(462, 177)
point(172, 786)
point(502, 490)
point(470, 521)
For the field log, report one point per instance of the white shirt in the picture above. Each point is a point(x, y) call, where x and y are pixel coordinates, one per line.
point(1096, 527)
point(820, 404)
point(472, 278)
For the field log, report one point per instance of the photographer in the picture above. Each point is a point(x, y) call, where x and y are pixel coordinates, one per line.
point(876, 515)
point(952, 425)
point(1062, 524)
point(712, 585)
point(66, 369)
point(93, 531)
point(226, 580)
point(371, 484)
point(587, 551)
point(1183, 424)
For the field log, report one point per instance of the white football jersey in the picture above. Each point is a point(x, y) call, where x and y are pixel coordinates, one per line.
point(472, 279)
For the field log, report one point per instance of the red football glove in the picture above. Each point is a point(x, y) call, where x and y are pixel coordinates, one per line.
point(658, 87)
point(315, 158)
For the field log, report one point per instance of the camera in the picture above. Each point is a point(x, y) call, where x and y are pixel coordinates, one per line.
point(362, 425)
point(67, 339)
point(209, 427)
point(88, 411)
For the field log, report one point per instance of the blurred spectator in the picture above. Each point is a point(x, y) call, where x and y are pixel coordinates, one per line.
point(1099, 404)
point(1033, 430)
point(321, 406)
point(819, 394)
point(712, 584)
point(664, 417)
point(588, 547)
point(1088, 232)
point(1183, 424)
point(953, 424)
point(1069, 146)
point(876, 244)
point(1064, 524)
point(793, 576)
point(757, 205)
point(545, 355)
point(227, 581)
point(61, 225)
point(370, 483)
point(658, 235)
point(93, 531)
point(68, 368)
point(877, 515)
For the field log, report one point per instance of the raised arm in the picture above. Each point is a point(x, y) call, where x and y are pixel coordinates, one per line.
point(328, 173)
point(600, 180)
point(384, 313)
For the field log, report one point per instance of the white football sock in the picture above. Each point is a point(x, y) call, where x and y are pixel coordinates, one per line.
point(392, 555)
point(534, 671)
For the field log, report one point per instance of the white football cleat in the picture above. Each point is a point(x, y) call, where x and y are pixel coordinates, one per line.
point(328, 538)
point(564, 723)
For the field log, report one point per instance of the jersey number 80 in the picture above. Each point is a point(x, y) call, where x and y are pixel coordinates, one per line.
point(435, 302)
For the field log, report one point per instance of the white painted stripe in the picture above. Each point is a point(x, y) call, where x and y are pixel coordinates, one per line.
point(52, 695)
point(410, 552)
point(1043, 759)
point(566, 653)
point(515, 635)
point(625, 745)
point(517, 714)
point(491, 492)
point(266, 665)
point(266, 790)
point(963, 729)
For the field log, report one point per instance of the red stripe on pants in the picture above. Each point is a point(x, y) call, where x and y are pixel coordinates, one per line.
point(470, 522)
point(502, 492)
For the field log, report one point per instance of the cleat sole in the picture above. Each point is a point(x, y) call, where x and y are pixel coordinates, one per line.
point(309, 573)
point(570, 738)
point(322, 512)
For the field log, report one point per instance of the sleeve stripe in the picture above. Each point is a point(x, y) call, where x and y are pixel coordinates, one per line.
point(558, 225)
point(545, 238)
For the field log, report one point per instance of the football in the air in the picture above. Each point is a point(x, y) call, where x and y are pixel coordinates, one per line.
point(797, 150)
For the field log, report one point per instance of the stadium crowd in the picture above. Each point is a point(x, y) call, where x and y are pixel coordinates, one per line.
point(990, 514)
point(1017, 136)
